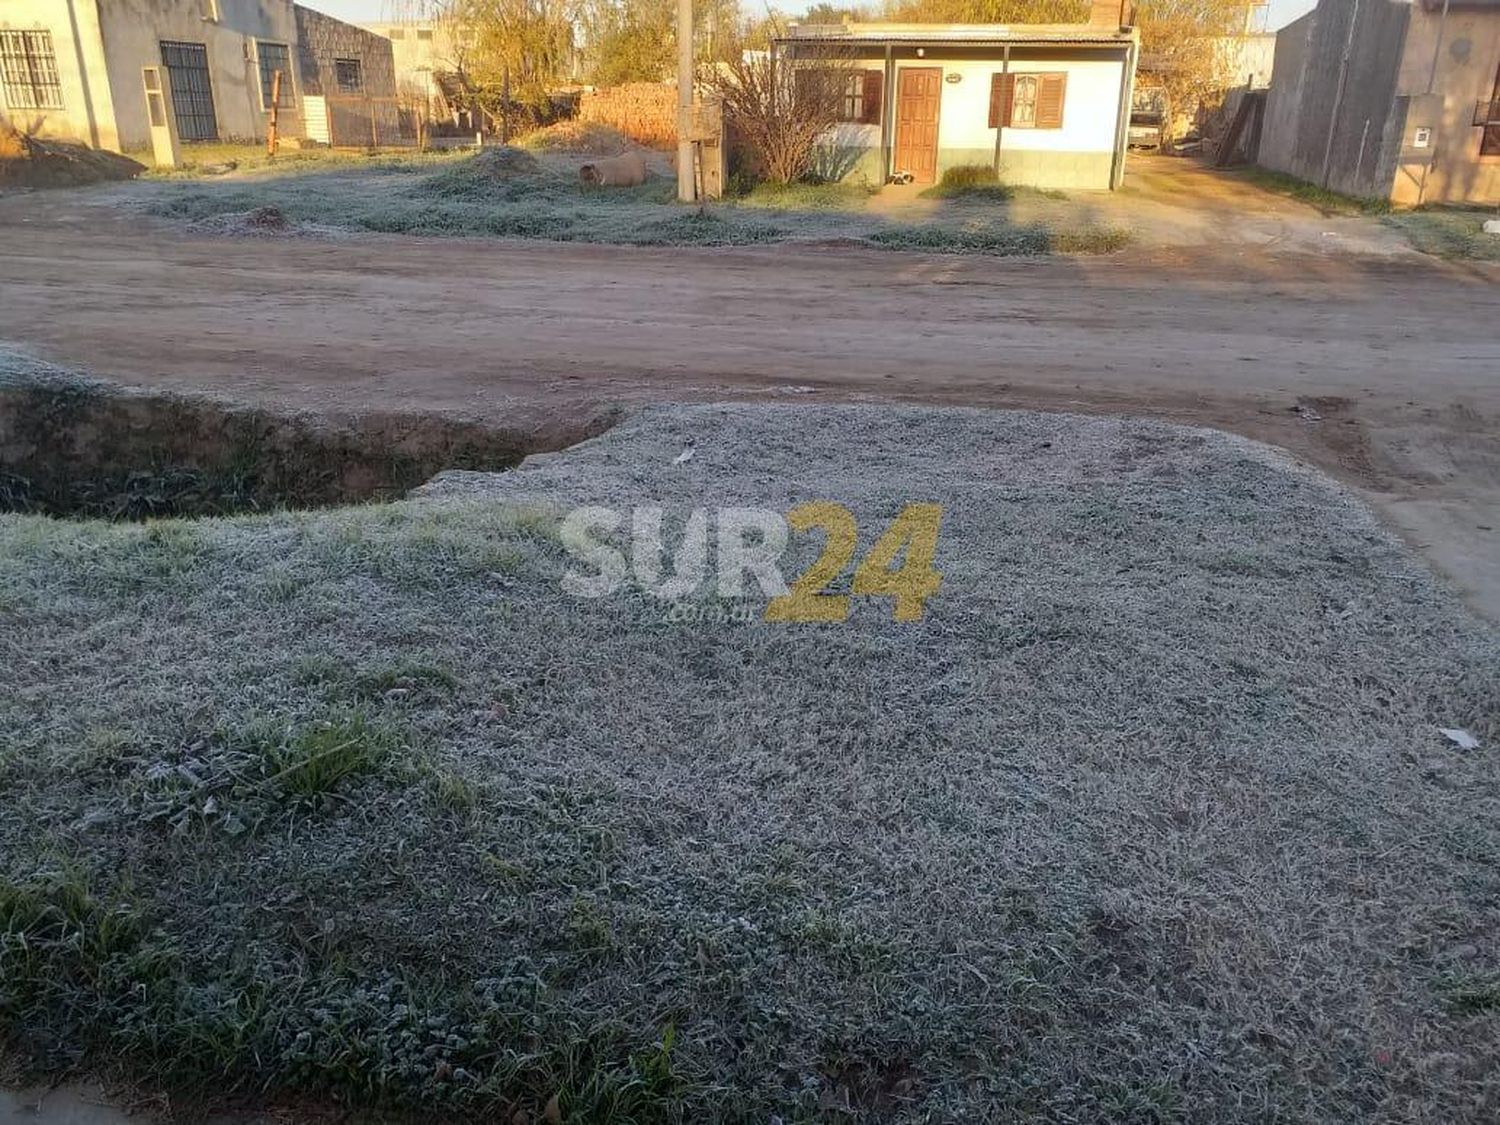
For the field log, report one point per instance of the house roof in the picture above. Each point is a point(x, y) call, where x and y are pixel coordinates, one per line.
point(955, 34)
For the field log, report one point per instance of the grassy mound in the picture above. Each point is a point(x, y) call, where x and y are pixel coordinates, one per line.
point(584, 137)
point(1148, 818)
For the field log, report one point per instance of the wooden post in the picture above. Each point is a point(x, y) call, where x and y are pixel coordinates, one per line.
point(505, 107)
point(686, 180)
point(275, 108)
point(1000, 122)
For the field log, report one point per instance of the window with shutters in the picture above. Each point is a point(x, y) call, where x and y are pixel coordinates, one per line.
point(1027, 101)
point(29, 69)
point(274, 57)
point(861, 102)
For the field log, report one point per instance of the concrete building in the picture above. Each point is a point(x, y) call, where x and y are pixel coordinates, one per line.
point(424, 56)
point(72, 68)
point(1389, 99)
point(1044, 105)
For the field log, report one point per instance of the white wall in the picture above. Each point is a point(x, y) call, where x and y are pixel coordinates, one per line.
point(87, 112)
point(1090, 107)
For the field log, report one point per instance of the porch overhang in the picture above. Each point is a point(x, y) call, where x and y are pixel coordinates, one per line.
point(882, 35)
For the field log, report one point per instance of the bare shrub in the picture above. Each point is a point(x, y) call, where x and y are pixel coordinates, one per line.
point(781, 109)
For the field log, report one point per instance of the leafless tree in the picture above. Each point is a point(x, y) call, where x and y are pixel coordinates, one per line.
point(781, 108)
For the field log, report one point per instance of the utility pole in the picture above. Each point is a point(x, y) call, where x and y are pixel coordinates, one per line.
point(687, 187)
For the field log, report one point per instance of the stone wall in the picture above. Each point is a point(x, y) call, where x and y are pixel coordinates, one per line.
point(365, 117)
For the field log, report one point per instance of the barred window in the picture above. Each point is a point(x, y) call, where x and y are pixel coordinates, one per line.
point(29, 69)
point(274, 57)
point(349, 75)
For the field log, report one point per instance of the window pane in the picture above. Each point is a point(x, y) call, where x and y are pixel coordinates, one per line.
point(1023, 107)
point(29, 70)
point(854, 97)
point(274, 57)
point(348, 74)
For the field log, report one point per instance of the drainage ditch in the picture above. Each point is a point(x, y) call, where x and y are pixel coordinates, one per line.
point(76, 448)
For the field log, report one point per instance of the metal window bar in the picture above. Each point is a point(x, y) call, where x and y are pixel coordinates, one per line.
point(349, 75)
point(29, 70)
point(274, 57)
point(192, 90)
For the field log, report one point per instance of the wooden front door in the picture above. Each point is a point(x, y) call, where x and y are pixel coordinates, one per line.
point(919, 90)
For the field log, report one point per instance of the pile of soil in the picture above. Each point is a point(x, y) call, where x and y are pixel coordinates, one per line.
point(504, 162)
point(588, 137)
point(33, 162)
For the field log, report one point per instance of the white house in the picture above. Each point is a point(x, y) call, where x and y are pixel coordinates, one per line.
point(1045, 105)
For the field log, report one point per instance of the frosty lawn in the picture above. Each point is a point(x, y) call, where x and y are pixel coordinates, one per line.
point(488, 194)
point(1148, 818)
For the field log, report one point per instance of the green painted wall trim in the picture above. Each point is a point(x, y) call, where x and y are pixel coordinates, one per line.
point(1084, 171)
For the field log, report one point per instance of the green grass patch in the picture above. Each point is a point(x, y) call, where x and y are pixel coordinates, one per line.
point(317, 759)
point(808, 196)
point(200, 161)
point(1326, 201)
point(80, 972)
point(1001, 239)
point(1471, 994)
point(979, 183)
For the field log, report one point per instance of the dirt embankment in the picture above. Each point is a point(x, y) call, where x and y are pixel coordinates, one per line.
point(71, 446)
point(34, 162)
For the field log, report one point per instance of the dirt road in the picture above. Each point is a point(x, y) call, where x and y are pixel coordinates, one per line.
point(1385, 371)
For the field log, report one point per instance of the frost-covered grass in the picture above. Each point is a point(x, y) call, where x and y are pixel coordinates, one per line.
point(454, 195)
point(1325, 200)
point(1147, 819)
point(1450, 233)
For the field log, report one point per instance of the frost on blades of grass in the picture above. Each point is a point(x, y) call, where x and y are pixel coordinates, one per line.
point(1148, 818)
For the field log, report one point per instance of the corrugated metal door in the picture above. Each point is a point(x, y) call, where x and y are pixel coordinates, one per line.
point(315, 118)
point(192, 91)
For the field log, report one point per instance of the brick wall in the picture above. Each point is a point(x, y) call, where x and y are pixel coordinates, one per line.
point(646, 112)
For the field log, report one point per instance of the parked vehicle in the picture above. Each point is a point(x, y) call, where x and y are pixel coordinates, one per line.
point(1148, 118)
